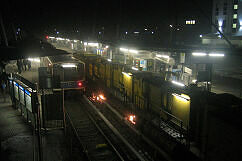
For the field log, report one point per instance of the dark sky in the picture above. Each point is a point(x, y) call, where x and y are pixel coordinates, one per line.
point(75, 14)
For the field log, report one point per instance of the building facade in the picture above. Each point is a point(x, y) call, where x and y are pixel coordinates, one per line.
point(227, 15)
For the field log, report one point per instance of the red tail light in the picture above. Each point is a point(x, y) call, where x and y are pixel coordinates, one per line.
point(79, 84)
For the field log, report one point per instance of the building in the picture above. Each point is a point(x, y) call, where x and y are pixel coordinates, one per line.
point(227, 16)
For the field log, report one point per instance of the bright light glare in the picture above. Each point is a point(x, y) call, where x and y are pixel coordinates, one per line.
point(52, 37)
point(132, 119)
point(68, 65)
point(34, 59)
point(107, 47)
point(129, 50)
point(135, 68)
point(194, 81)
point(109, 60)
point(102, 97)
point(136, 32)
point(59, 38)
point(85, 43)
point(162, 56)
point(216, 54)
point(199, 54)
point(123, 49)
point(181, 97)
point(133, 51)
point(178, 83)
point(127, 74)
point(75, 40)
point(93, 44)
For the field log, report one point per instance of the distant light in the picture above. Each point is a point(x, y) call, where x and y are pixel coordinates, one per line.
point(68, 65)
point(34, 59)
point(17, 32)
point(52, 37)
point(18, 29)
point(171, 25)
point(127, 74)
point(67, 39)
point(131, 118)
point(163, 56)
point(126, 32)
point(181, 97)
point(109, 60)
point(47, 37)
point(57, 32)
point(216, 54)
point(220, 23)
point(177, 29)
point(92, 44)
point(194, 81)
point(152, 32)
point(133, 51)
point(178, 83)
point(123, 49)
point(146, 29)
point(135, 68)
point(85, 43)
point(79, 84)
point(99, 33)
point(77, 31)
point(107, 47)
point(59, 38)
point(219, 36)
point(199, 54)
point(201, 35)
point(136, 32)
point(75, 40)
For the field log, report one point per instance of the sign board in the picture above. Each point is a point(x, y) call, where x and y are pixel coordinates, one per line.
point(182, 57)
point(72, 84)
point(21, 95)
point(188, 70)
point(16, 94)
point(28, 100)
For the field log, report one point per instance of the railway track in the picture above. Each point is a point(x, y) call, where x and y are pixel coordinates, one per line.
point(146, 148)
point(93, 141)
point(99, 137)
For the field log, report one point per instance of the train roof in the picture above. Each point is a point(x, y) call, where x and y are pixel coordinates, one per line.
point(63, 59)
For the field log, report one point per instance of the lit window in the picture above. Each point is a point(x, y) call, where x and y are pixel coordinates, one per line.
point(234, 25)
point(235, 16)
point(235, 6)
point(188, 22)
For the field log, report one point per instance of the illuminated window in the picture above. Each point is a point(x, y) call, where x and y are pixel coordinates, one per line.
point(191, 22)
point(235, 6)
point(234, 25)
point(235, 16)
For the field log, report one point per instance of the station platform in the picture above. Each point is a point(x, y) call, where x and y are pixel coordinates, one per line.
point(18, 142)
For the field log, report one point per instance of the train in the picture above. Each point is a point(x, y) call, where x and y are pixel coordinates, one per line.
point(187, 109)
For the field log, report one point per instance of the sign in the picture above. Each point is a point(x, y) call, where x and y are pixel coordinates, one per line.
point(72, 84)
point(188, 70)
point(28, 100)
point(16, 94)
point(182, 57)
point(21, 95)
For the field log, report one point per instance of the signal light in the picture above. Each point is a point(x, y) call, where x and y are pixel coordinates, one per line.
point(79, 84)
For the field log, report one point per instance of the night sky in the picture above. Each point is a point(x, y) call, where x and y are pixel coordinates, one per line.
point(81, 15)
